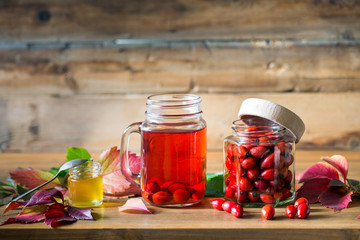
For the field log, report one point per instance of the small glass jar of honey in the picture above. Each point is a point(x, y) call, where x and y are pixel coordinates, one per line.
point(85, 185)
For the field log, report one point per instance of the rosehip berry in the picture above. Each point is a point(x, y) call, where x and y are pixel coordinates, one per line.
point(181, 196)
point(300, 201)
point(217, 203)
point(248, 163)
point(281, 146)
point(230, 191)
point(227, 205)
point(198, 191)
point(259, 152)
point(240, 152)
point(242, 197)
point(152, 187)
point(172, 188)
point(166, 185)
point(286, 193)
point(245, 184)
point(268, 162)
point(161, 197)
point(253, 173)
point(267, 212)
point(261, 185)
point(288, 160)
point(268, 174)
point(267, 198)
point(253, 196)
point(303, 211)
point(229, 150)
point(237, 211)
point(228, 163)
point(290, 211)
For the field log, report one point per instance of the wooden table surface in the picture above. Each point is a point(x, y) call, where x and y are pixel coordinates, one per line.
point(197, 222)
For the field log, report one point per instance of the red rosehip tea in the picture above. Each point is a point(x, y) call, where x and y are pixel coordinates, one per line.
point(173, 151)
point(173, 166)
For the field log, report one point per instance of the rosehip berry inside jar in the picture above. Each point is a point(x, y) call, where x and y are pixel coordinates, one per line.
point(259, 164)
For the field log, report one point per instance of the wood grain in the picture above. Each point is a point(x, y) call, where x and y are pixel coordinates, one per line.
point(200, 222)
point(196, 69)
point(96, 123)
point(81, 20)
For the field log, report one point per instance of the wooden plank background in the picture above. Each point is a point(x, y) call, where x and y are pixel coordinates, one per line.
point(76, 73)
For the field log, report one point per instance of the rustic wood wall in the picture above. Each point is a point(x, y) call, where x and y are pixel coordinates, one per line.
point(77, 72)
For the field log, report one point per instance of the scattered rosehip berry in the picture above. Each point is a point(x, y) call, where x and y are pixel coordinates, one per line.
point(267, 212)
point(217, 203)
point(300, 201)
point(227, 205)
point(237, 211)
point(303, 211)
point(290, 211)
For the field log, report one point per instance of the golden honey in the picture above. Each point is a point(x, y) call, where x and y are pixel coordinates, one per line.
point(85, 185)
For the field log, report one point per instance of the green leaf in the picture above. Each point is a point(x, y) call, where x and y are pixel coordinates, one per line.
point(75, 153)
point(354, 184)
point(214, 185)
point(336, 183)
point(62, 177)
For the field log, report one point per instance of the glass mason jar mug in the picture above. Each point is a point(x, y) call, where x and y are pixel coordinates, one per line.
point(259, 164)
point(173, 151)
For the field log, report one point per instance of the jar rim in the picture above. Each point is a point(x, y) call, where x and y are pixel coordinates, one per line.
point(86, 168)
point(173, 105)
point(173, 100)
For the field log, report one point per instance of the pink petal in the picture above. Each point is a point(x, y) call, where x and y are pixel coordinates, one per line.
point(319, 170)
point(114, 183)
point(335, 198)
point(312, 189)
point(340, 163)
point(134, 204)
point(134, 163)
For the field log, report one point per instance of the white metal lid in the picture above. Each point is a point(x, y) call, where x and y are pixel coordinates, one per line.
point(273, 112)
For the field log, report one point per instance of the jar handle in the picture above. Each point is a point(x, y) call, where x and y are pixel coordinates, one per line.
point(124, 156)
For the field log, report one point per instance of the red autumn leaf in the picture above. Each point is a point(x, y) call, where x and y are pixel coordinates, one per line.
point(340, 163)
point(134, 204)
point(56, 222)
point(26, 218)
point(13, 205)
point(55, 210)
point(31, 178)
point(336, 198)
point(80, 213)
point(312, 189)
point(45, 196)
point(319, 170)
